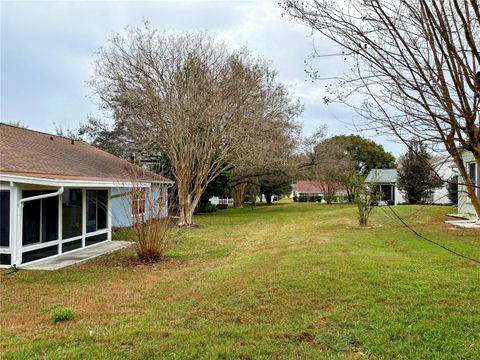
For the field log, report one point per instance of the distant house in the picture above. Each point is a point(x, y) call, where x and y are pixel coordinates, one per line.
point(465, 206)
point(58, 195)
point(314, 188)
point(385, 181)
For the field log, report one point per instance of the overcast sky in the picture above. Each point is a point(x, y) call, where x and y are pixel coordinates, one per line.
point(47, 50)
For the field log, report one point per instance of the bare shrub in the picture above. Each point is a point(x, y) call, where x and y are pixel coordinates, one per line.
point(366, 198)
point(147, 206)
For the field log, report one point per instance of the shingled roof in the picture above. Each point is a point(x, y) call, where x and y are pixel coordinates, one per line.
point(25, 152)
point(382, 176)
point(313, 187)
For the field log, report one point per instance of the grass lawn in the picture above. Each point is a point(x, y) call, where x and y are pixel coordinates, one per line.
point(292, 280)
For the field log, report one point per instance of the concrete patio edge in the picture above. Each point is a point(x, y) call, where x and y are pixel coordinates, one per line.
point(78, 256)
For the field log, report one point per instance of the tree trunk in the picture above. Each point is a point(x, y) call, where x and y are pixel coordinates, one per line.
point(238, 194)
point(329, 196)
point(268, 198)
point(349, 194)
point(187, 202)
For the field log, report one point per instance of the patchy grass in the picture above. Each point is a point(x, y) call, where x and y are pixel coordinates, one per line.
point(286, 281)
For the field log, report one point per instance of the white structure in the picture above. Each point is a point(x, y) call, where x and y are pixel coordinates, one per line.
point(218, 201)
point(465, 206)
point(56, 194)
point(446, 170)
point(385, 181)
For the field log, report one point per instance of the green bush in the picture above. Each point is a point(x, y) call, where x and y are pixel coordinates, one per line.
point(62, 314)
point(319, 198)
point(302, 198)
point(209, 208)
point(311, 198)
point(391, 202)
point(222, 206)
point(295, 198)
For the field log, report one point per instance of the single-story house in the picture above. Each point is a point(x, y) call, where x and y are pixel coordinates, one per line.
point(314, 188)
point(465, 206)
point(385, 181)
point(59, 195)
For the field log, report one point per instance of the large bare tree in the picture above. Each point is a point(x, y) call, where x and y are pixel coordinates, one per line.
point(189, 98)
point(269, 151)
point(415, 67)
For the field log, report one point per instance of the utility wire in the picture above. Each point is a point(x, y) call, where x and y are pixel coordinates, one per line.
point(409, 227)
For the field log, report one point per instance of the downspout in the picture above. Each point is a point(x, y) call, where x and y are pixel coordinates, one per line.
point(21, 202)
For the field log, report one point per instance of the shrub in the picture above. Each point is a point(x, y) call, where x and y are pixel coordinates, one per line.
point(295, 198)
point(153, 238)
point(311, 198)
point(153, 230)
point(390, 202)
point(319, 199)
point(366, 199)
point(61, 314)
point(302, 198)
point(208, 208)
point(222, 206)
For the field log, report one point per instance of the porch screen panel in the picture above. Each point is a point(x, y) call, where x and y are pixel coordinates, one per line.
point(31, 220)
point(102, 206)
point(40, 218)
point(71, 213)
point(50, 219)
point(95, 239)
point(97, 201)
point(5, 218)
point(39, 254)
point(5, 259)
point(91, 210)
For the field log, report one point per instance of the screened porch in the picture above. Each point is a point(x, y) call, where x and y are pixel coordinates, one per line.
point(51, 221)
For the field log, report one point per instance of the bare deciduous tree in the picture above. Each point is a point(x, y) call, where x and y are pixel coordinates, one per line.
point(416, 64)
point(189, 98)
point(269, 151)
point(330, 165)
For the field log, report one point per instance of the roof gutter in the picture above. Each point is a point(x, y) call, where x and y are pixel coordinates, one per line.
point(76, 183)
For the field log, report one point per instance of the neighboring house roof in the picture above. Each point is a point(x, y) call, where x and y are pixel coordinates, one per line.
point(382, 176)
point(304, 186)
point(29, 153)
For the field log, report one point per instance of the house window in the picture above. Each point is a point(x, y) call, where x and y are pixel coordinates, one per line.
point(97, 203)
point(5, 218)
point(71, 213)
point(40, 218)
point(138, 202)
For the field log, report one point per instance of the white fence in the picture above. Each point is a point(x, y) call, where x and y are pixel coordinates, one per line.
point(216, 201)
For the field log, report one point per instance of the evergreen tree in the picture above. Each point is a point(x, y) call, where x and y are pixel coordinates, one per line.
point(452, 188)
point(416, 178)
